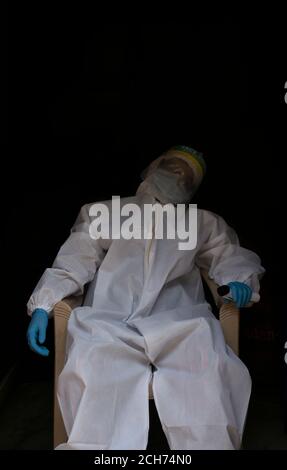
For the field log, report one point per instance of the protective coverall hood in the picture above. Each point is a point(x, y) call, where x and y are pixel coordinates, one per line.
point(165, 184)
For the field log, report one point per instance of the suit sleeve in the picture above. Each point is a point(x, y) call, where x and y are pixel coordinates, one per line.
point(74, 266)
point(221, 255)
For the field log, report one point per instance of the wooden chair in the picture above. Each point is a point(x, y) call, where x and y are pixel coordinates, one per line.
point(228, 316)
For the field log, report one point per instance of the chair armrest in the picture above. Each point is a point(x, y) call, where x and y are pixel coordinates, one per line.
point(62, 312)
point(65, 306)
point(229, 315)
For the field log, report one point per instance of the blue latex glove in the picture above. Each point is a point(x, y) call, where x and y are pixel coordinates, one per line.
point(37, 331)
point(240, 292)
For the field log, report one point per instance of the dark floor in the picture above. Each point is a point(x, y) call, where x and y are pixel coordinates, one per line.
point(26, 418)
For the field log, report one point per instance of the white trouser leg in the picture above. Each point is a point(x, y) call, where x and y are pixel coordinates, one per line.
point(103, 395)
point(201, 389)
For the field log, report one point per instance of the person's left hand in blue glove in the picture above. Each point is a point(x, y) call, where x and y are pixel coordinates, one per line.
point(240, 293)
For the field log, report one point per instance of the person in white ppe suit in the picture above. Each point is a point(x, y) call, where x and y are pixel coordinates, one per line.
point(145, 306)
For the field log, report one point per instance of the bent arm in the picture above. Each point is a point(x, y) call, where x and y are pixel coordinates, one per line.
point(221, 255)
point(74, 266)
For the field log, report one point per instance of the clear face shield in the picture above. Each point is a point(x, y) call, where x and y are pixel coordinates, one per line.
point(170, 180)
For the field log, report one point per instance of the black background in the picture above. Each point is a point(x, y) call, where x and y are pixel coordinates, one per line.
point(87, 108)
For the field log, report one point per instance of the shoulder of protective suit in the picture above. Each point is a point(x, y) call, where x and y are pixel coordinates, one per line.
point(114, 203)
point(205, 214)
point(212, 223)
point(85, 209)
point(210, 219)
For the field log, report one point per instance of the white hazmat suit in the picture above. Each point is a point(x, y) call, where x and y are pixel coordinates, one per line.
point(145, 305)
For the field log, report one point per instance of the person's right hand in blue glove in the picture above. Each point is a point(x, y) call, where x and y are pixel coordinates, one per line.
point(37, 331)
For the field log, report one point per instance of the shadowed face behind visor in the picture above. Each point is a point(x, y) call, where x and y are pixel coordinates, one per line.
point(171, 181)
